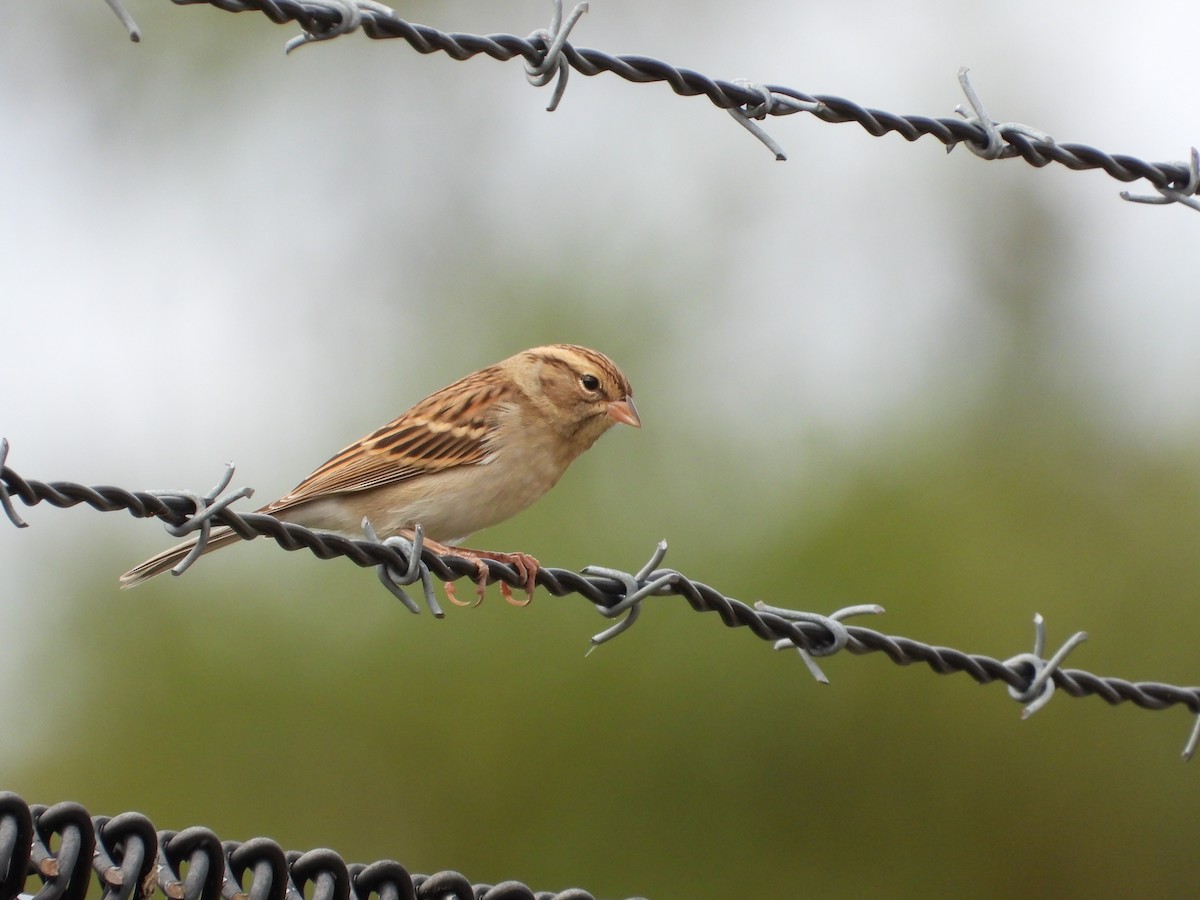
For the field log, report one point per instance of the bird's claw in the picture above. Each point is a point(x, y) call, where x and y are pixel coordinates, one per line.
point(480, 581)
point(507, 594)
point(481, 578)
point(453, 598)
point(525, 565)
point(527, 569)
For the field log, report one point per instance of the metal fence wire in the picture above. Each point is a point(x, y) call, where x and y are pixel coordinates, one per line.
point(1032, 677)
point(63, 847)
point(131, 860)
point(549, 57)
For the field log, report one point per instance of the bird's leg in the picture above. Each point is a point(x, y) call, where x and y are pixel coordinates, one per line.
point(526, 566)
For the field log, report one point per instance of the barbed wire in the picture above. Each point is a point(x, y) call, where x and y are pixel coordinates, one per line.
point(549, 56)
point(131, 860)
point(1031, 678)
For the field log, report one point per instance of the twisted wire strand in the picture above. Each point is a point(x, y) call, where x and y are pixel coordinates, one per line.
point(323, 19)
point(131, 860)
point(1028, 676)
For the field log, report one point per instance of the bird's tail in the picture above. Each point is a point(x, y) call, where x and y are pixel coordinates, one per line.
point(168, 559)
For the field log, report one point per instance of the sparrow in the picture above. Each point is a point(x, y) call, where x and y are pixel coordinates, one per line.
point(468, 456)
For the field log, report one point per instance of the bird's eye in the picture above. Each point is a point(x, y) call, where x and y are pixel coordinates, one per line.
point(590, 382)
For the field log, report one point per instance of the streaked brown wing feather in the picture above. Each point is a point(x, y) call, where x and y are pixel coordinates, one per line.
point(447, 429)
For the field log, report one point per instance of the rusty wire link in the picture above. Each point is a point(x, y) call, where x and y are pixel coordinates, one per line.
point(69, 867)
point(126, 860)
point(133, 861)
point(548, 54)
point(1030, 677)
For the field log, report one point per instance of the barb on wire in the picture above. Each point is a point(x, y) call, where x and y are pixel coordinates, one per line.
point(1189, 749)
point(204, 509)
point(994, 133)
point(395, 580)
point(348, 19)
point(135, 33)
point(832, 622)
point(5, 500)
point(62, 847)
point(1030, 677)
point(1041, 686)
point(1185, 193)
point(745, 116)
point(553, 62)
point(324, 19)
point(637, 588)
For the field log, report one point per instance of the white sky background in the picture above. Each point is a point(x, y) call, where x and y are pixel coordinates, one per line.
point(204, 245)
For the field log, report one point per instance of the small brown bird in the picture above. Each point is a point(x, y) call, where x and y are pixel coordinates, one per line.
point(471, 455)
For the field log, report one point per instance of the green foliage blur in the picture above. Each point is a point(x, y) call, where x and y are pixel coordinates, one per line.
point(276, 694)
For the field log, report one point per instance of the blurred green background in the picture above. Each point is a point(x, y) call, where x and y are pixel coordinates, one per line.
point(964, 391)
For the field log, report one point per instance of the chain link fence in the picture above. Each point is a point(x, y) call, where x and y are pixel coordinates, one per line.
point(63, 847)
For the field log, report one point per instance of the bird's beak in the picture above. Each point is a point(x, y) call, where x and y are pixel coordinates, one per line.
point(625, 412)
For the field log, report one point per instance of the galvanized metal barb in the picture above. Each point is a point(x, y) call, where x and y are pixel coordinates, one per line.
point(131, 28)
point(637, 588)
point(994, 146)
point(1041, 687)
point(205, 508)
point(1030, 677)
point(349, 19)
point(553, 62)
point(1189, 749)
point(745, 116)
point(62, 847)
point(5, 500)
point(832, 623)
point(548, 51)
point(1185, 193)
point(394, 580)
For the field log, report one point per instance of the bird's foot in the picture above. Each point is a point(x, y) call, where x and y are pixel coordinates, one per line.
point(526, 566)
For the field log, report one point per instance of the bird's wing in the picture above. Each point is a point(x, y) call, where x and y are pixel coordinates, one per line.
point(447, 429)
